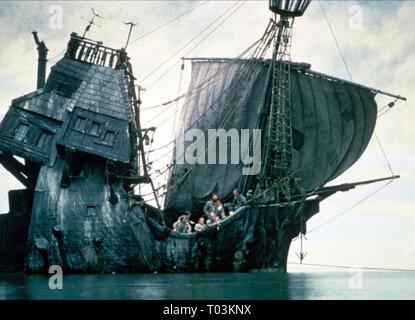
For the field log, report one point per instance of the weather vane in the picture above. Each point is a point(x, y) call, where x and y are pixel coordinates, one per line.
point(132, 25)
point(91, 21)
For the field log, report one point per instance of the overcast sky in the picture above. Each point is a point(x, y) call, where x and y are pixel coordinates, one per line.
point(378, 44)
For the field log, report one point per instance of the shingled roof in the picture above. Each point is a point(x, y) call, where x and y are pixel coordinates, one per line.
point(48, 104)
point(91, 87)
point(102, 90)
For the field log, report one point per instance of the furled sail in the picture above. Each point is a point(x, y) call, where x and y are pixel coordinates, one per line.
point(332, 122)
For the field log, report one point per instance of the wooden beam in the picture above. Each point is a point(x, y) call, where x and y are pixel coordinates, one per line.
point(326, 192)
point(17, 169)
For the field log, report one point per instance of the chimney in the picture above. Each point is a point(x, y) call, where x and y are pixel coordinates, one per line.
point(42, 61)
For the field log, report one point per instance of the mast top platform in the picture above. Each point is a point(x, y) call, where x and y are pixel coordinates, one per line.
point(289, 8)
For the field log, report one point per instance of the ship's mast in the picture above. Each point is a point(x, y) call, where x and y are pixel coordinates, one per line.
point(276, 181)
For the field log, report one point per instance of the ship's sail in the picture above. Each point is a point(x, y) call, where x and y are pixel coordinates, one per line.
point(332, 122)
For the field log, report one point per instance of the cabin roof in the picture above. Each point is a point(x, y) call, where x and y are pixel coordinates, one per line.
point(48, 104)
point(102, 89)
point(88, 86)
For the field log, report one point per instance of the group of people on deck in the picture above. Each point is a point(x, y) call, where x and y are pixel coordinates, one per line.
point(213, 214)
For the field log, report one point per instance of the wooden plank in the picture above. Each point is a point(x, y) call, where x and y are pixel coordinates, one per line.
point(17, 169)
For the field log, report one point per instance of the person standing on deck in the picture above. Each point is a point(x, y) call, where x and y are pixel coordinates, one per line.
point(200, 225)
point(182, 225)
point(213, 220)
point(238, 201)
point(214, 205)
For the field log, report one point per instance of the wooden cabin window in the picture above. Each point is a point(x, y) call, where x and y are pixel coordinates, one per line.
point(80, 124)
point(109, 137)
point(63, 89)
point(21, 131)
point(94, 128)
point(44, 139)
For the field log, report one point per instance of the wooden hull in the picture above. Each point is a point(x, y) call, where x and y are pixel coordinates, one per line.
point(132, 242)
point(252, 239)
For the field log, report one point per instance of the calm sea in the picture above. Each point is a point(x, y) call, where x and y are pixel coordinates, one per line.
point(264, 285)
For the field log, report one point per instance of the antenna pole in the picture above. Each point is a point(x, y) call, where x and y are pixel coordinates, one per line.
point(132, 25)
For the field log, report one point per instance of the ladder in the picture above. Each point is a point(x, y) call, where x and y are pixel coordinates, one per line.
point(276, 177)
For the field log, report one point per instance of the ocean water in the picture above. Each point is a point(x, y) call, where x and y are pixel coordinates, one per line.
point(240, 286)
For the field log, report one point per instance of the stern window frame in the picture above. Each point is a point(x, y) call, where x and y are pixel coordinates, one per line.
point(80, 124)
point(21, 132)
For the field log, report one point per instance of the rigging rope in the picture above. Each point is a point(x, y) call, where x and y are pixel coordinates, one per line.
point(170, 21)
point(388, 107)
point(57, 56)
point(384, 153)
point(199, 43)
point(335, 39)
point(177, 101)
point(149, 122)
point(209, 81)
point(189, 42)
point(212, 31)
point(177, 109)
point(348, 209)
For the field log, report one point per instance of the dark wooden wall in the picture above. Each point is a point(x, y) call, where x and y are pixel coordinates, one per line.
point(14, 231)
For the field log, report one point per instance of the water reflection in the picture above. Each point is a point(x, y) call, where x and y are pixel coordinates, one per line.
point(149, 286)
point(13, 286)
point(241, 286)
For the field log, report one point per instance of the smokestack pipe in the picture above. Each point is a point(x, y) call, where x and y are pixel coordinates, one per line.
point(42, 61)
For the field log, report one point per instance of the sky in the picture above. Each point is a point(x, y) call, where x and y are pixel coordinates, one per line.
point(378, 46)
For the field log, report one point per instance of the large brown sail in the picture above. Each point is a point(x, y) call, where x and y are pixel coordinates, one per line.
point(332, 121)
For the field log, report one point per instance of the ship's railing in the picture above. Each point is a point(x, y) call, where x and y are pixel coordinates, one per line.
point(83, 49)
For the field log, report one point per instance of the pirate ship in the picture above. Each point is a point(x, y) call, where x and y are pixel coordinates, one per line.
point(82, 143)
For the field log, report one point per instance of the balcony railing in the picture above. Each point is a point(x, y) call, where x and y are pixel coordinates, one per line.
point(83, 49)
